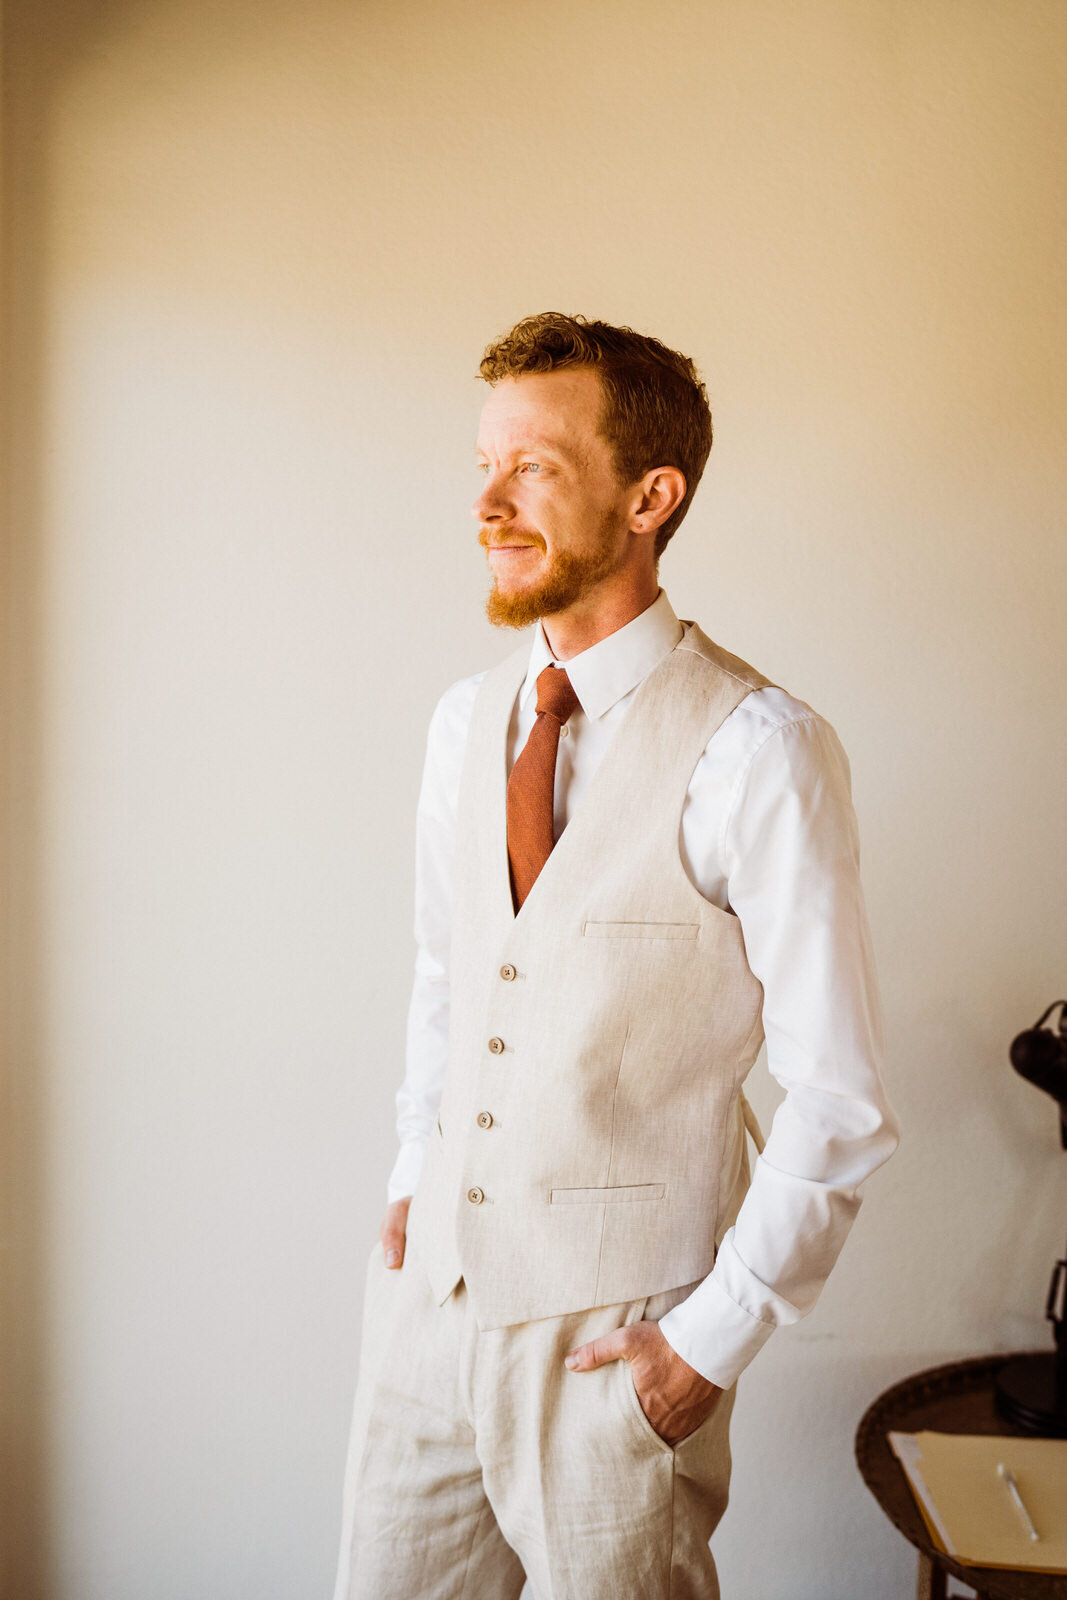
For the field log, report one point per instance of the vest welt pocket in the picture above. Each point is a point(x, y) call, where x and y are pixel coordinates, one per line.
point(598, 1197)
point(641, 930)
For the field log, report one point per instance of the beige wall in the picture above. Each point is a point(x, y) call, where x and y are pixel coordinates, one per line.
point(258, 250)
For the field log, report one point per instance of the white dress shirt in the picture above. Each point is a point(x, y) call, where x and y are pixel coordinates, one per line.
point(768, 833)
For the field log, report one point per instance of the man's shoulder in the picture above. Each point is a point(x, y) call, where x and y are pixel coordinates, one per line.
point(772, 708)
point(705, 653)
point(767, 705)
point(446, 742)
point(452, 713)
point(795, 746)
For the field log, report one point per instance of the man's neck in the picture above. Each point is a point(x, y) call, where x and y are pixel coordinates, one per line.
point(592, 618)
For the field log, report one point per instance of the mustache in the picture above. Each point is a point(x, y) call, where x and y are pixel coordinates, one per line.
point(488, 536)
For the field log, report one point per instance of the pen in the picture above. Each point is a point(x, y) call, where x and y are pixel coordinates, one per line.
point(1013, 1489)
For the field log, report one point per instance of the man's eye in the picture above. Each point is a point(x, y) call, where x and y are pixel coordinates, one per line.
point(483, 466)
point(532, 466)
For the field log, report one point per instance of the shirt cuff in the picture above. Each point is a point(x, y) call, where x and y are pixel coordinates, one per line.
point(406, 1169)
point(716, 1336)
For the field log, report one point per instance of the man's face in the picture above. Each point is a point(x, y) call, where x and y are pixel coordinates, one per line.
point(552, 516)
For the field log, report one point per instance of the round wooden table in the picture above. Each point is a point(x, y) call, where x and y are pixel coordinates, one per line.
point(953, 1399)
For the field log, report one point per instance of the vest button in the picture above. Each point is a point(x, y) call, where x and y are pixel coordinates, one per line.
point(475, 1196)
point(496, 1046)
point(485, 1119)
point(507, 972)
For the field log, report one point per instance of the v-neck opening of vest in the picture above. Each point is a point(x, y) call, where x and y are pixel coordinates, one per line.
point(595, 782)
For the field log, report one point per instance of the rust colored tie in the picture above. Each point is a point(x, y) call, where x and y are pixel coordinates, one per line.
point(532, 784)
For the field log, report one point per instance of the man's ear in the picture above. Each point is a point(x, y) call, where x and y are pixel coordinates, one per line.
point(659, 494)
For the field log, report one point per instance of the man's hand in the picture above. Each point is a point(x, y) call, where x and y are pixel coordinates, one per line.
point(674, 1397)
point(394, 1231)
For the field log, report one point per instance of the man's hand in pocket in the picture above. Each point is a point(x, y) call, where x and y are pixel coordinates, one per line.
point(675, 1398)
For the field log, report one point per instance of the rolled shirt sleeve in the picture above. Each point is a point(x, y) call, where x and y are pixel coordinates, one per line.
point(789, 846)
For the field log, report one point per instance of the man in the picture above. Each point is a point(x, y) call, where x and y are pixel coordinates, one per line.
point(635, 859)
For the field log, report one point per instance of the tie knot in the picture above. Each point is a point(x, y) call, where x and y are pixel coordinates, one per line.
point(554, 694)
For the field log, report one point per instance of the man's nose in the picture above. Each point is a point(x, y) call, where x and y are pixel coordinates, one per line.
point(492, 504)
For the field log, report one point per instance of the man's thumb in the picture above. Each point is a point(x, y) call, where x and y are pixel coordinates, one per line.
point(394, 1233)
point(610, 1347)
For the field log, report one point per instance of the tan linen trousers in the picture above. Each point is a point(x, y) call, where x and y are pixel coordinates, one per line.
point(477, 1460)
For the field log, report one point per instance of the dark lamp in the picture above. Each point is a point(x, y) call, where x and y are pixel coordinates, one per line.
point(1031, 1390)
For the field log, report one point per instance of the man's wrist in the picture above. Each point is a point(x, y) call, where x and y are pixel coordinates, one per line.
point(713, 1334)
point(406, 1169)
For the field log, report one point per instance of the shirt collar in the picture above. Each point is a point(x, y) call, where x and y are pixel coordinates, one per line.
point(609, 669)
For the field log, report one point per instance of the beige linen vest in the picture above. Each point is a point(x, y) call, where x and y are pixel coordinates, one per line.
point(590, 1143)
